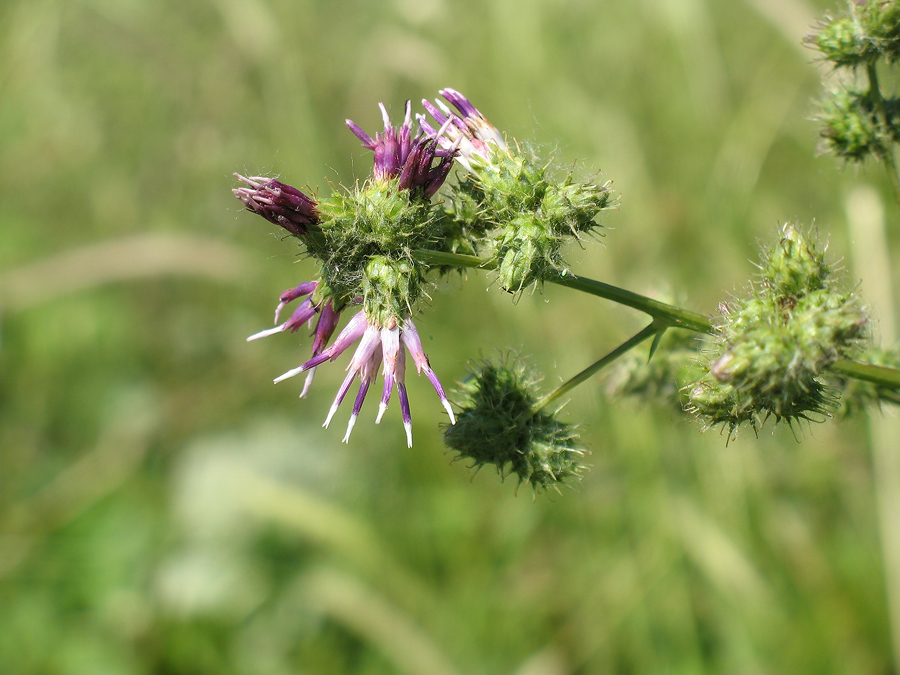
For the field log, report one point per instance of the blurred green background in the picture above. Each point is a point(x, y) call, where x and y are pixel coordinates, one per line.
point(164, 509)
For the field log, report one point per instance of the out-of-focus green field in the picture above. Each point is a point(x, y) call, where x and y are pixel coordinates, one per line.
point(164, 509)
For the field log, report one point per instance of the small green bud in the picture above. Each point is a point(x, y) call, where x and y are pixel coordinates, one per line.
point(497, 425)
point(389, 288)
point(526, 252)
point(772, 350)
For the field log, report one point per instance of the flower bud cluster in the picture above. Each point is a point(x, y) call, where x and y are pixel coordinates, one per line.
point(369, 241)
point(536, 215)
point(365, 241)
point(772, 350)
point(857, 121)
point(513, 201)
point(497, 425)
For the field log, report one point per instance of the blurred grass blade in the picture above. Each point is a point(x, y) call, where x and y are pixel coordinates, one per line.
point(133, 257)
point(358, 608)
point(333, 528)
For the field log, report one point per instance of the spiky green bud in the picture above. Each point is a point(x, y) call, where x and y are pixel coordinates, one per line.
point(771, 351)
point(497, 425)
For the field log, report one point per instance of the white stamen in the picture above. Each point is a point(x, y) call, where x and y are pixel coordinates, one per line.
point(334, 408)
point(449, 410)
point(382, 407)
point(266, 333)
point(288, 374)
point(278, 310)
point(408, 427)
point(309, 381)
point(443, 107)
point(349, 428)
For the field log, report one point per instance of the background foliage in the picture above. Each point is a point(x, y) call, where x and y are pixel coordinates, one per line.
point(164, 509)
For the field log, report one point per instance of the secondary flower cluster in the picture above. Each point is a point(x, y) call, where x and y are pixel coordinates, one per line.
point(857, 121)
point(508, 192)
point(773, 349)
point(369, 239)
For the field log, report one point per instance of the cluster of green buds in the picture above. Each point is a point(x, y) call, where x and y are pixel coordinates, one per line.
point(528, 212)
point(858, 121)
point(376, 242)
point(772, 351)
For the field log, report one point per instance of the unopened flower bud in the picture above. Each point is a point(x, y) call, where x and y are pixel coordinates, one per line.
point(278, 203)
point(497, 425)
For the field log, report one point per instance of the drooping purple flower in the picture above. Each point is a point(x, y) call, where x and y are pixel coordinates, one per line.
point(278, 203)
point(422, 162)
point(377, 345)
point(467, 128)
point(325, 326)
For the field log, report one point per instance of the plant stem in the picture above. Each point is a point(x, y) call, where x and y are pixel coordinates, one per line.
point(565, 387)
point(661, 312)
point(886, 377)
point(871, 259)
point(664, 316)
point(890, 163)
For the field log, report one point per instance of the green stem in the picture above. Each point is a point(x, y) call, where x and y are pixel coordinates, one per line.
point(880, 375)
point(664, 316)
point(565, 387)
point(890, 163)
point(660, 311)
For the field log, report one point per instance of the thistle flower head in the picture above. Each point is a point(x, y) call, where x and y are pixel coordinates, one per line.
point(466, 128)
point(384, 346)
point(420, 162)
point(278, 203)
point(772, 350)
point(498, 425)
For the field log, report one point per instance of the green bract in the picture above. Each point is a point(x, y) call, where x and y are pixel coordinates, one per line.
point(771, 350)
point(497, 425)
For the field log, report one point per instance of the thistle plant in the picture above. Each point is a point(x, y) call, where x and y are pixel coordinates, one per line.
point(784, 352)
